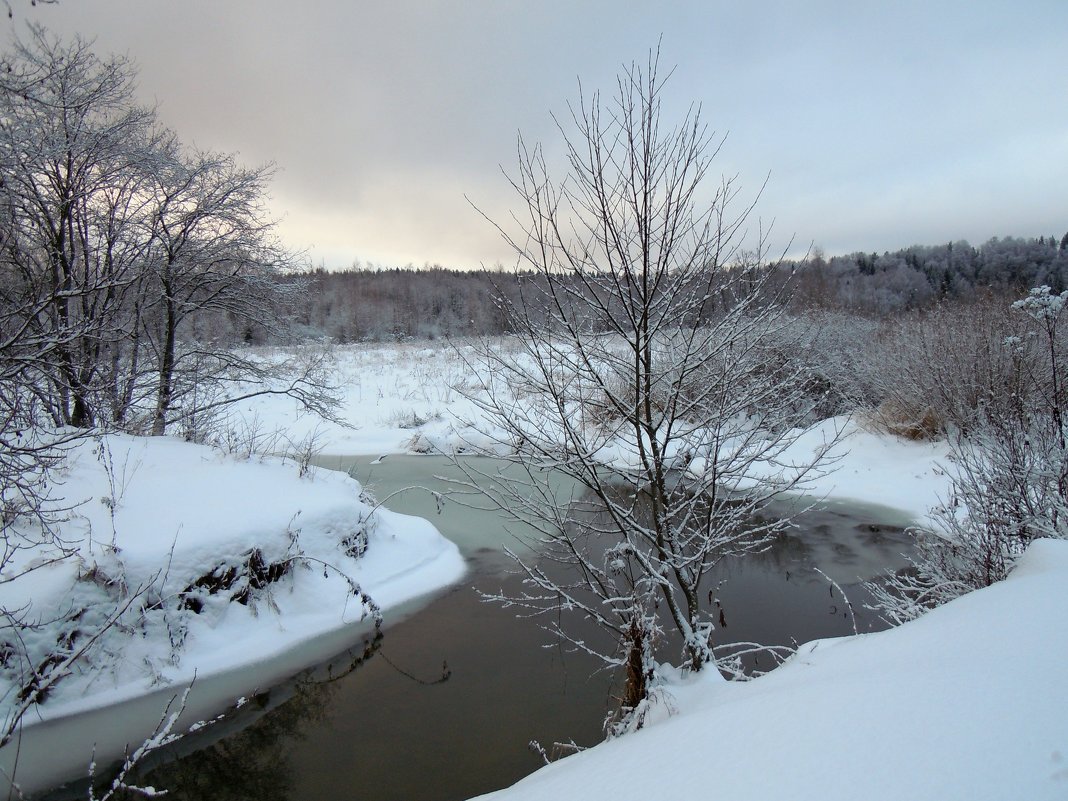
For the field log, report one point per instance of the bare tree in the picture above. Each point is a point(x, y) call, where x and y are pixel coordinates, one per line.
point(72, 145)
point(642, 405)
point(130, 260)
point(213, 254)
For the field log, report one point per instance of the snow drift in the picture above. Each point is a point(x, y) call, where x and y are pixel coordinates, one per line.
point(190, 563)
point(966, 702)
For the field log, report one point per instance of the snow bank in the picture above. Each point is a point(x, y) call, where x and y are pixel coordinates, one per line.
point(876, 468)
point(229, 563)
point(966, 702)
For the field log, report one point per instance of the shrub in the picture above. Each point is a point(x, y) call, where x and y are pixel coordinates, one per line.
point(1010, 482)
point(952, 367)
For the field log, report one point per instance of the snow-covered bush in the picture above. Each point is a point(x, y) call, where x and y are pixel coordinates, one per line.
point(1010, 472)
point(950, 368)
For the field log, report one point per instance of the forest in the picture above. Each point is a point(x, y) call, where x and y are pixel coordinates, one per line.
point(384, 304)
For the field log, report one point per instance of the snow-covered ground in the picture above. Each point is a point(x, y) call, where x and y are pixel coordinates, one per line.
point(968, 702)
point(394, 399)
point(908, 713)
point(195, 563)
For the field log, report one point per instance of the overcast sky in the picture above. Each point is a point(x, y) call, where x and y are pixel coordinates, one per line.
point(880, 124)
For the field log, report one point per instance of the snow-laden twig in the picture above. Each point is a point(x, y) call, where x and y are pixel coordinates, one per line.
point(162, 735)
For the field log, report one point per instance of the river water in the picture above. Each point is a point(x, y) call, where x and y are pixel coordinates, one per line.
point(444, 705)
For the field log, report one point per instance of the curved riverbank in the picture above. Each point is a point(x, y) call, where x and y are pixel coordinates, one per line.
point(234, 572)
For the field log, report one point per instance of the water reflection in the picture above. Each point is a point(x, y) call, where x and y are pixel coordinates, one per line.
point(808, 581)
point(811, 583)
point(255, 763)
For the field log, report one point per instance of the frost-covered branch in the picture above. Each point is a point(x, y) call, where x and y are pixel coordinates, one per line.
point(651, 403)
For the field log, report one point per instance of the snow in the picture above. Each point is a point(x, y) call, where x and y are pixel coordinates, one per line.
point(390, 395)
point(385, 390)
point(181, 509)
point(1041, 304)
point(909, 476)
point(157, 515)
point(154, 516)
point(966, 702)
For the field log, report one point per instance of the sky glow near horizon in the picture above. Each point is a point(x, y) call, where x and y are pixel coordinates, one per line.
point(876, 125)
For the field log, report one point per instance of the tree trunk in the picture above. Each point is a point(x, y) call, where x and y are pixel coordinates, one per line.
point(165, 389)
point(636, 688)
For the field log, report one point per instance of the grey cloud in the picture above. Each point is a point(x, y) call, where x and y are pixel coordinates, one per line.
point(881, 124)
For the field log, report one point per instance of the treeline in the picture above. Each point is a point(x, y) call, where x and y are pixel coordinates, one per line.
point(395, 304)
point(919, 276)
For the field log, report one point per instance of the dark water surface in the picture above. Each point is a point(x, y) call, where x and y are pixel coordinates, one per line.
point(444, 705)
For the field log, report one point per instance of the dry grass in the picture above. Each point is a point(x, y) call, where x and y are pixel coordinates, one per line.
point(918, 423)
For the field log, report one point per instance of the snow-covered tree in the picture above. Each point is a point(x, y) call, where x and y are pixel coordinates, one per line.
point(132, 263)
point(649, 403)
point(72, 146)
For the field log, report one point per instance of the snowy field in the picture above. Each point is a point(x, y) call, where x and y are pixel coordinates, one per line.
point(394, 399)
point(415, 398)
point(909, 713)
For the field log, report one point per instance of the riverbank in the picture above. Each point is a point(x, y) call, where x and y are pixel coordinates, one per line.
point(177, 565)
point(416, 398)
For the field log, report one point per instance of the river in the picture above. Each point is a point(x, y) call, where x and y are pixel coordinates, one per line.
point(444, 705)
